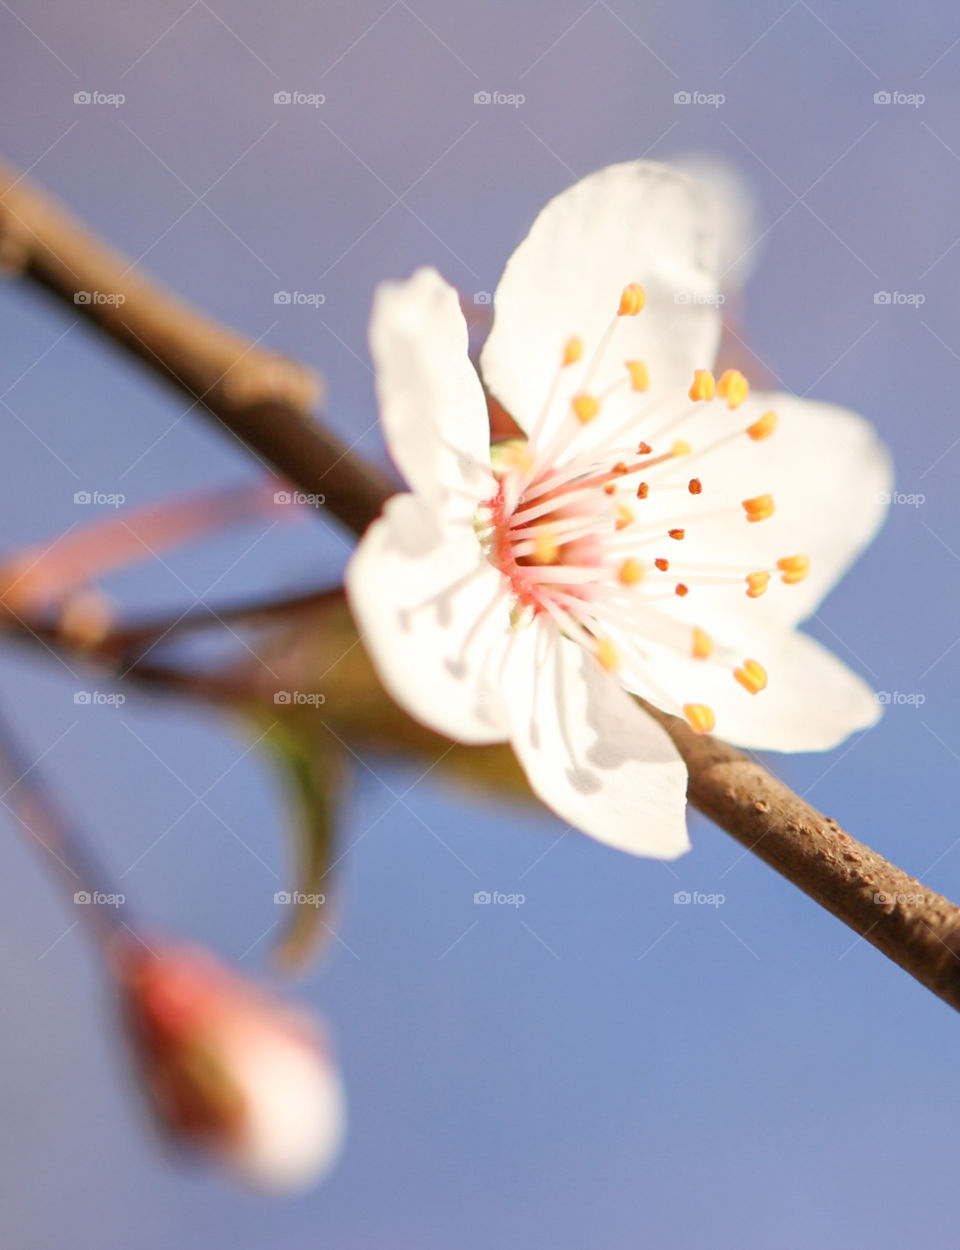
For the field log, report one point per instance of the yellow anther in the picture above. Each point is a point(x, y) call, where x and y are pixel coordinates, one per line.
point(763, 427)
point(607, 654)
point(701, 648)
point(680, 448)
point(733, 387)
point(624, 517)
point(632, 300)
point(752, 676)
point(573, 350)
point(703, 385)
point(546, 549)
point(630, 572)
point(758, 508)
point(586, 407)
point(639, 375)
point(700, 718)
point(793, 569)
point(756, 584)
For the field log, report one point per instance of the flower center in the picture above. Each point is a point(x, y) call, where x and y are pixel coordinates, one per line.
point(567, 526)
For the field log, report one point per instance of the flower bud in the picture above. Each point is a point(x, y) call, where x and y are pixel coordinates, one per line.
point(229, 1069)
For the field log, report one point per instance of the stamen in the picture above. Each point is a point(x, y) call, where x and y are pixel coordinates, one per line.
point(662, 565)
point(680, 448)
point(756, 584)
point(632, 300)
point(585, 407)
point(793, 569)
point(763, 427)
point(643, 490)
point(681, 590)
point(624, 517)
point(573, 350)
point(630, 572)
point(758, 508)
point(644, 449)
point(752, 676)
point(639, 375)
point(700, 718)
point(546, 549)
point(678, 534)
point(695, 486)
point(702, 646)
point(733, 387)
point(703, 386)
point(607, 654)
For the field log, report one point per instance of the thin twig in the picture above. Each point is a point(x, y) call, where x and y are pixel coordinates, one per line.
point(264, 401)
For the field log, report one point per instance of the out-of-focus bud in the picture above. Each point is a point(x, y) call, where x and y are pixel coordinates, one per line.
point(230, 1069)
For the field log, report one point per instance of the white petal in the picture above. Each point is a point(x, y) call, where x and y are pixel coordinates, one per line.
point(830, 477)
point(812, 701)
point(589, 752)
point(638, 222)
point(431, 402)
point(732, 208)
point(430, 610)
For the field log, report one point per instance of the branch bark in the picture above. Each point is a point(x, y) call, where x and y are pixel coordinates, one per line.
point(265, 400)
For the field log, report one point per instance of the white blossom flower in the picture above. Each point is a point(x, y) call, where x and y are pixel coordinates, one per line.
point(229, 1069)
point(658, 532)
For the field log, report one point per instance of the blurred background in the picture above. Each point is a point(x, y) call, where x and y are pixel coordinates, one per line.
point(600, 1066)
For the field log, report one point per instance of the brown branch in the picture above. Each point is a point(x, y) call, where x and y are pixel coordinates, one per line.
point(265, 400)
point(261, 398)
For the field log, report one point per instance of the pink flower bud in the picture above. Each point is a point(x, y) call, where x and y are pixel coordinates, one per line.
point(231, 1070)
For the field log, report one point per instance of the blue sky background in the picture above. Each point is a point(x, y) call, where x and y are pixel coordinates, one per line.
point(601, 1067)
